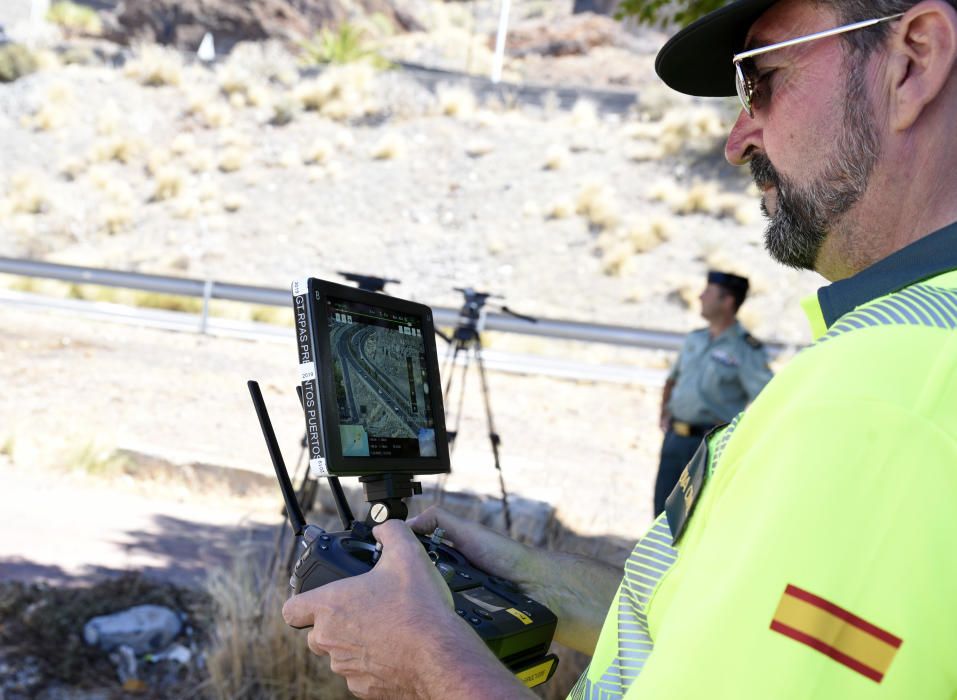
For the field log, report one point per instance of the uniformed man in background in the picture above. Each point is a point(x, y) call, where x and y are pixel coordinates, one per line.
point(720, 370)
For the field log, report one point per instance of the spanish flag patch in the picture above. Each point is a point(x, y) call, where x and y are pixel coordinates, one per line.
point(835, 632)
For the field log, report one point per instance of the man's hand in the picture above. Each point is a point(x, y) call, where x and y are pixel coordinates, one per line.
point(391, 631)
point(579, 590)
point(664, 422)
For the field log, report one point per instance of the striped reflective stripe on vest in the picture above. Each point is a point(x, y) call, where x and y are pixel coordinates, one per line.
point(647, 565)
point(918, 305)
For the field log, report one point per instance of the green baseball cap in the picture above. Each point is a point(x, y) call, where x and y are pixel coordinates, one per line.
point(697, 60)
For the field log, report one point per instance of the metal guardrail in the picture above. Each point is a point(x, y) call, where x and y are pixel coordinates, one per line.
point(181, 321)
point(444, 317)
point(209, 289)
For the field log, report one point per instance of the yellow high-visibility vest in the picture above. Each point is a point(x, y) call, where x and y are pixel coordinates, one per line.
point(817, 558)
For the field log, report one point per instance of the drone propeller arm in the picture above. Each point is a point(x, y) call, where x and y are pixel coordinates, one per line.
point(530, 319)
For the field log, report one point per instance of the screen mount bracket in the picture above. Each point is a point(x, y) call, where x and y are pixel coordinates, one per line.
point(385, 492)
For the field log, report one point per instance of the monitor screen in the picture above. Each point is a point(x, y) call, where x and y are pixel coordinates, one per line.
point(381, 381)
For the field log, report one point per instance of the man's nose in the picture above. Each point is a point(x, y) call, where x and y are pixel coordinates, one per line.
point(746, 135)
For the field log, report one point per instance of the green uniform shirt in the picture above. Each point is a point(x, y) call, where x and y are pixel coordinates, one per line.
point(815, 554)
point(715, 378)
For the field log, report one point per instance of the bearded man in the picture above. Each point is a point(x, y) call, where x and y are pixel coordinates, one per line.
point(808, 550)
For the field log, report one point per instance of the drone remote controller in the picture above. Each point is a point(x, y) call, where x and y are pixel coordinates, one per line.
point(516, 628)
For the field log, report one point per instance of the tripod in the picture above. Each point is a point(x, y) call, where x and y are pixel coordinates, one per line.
point(467, 340)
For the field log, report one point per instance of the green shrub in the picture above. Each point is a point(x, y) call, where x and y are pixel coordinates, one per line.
point(75, 18)
point(16, 61)
point(346, 44)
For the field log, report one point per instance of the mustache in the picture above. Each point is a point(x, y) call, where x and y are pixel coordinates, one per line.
point(763, 173)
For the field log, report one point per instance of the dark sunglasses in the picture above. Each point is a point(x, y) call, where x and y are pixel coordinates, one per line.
point(745, 70)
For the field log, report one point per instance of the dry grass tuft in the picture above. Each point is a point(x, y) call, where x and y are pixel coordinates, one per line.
point(701, 197)
point(689, 292)
point(284, 110)
point(72, 167)
point(96, 459)
point(531, 210)
point(318, 152)
point(115, 217)
point(479, 148)
point(287, 158)
point(584, 114)
point(258, 95)
point(340, 93)
point(254, 654)
point(232, 159)
point(233, 202)
point(109, 119)
point(700, 130)
point(647, 234)
point(55, 110)
point(170, 182)
point(598, 202)
point(389, 147)
point(697, 130)
point(157, 159)
point(202, 160)
point(234, 79)
point(154, 66)
point(210, 110)
point(644, 151)
point(187, 208)
point(122, 149)
point(455, 101)
point(100, 176)
point(560, 209)
point(183, 143)
point(207, 191)
point(620, 246)
point(28, 193)
point(557, 157)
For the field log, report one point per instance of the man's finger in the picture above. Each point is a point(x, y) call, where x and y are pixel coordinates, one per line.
point(395, 536)
point(429, 519)
point(314, 644)
point(300, 610)
point(425, 522)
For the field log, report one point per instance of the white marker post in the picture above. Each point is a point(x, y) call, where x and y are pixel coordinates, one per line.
point(207, 49)
point(500, 41)
point(38, 17)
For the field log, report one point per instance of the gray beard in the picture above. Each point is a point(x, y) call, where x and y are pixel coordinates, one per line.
point(806, 215)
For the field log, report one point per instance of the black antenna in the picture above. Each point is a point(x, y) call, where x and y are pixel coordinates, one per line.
point(296, 519)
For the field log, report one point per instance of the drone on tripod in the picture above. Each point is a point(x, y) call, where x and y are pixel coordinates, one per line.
point(466, 340)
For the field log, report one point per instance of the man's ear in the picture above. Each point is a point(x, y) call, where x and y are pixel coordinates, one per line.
point(921, 58)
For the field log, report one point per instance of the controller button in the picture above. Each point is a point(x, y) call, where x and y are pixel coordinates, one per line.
point(526, 613)
point(324, 538)
point(323, 546)
point(460, 611)
point(475, 621)
point(482, 613)
point(465, 575)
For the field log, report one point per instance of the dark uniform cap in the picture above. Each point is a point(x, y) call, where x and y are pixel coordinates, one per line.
point(735, 284)
point(697, 60)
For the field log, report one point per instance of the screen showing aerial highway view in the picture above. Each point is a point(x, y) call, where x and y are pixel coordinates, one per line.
point(382, 389)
